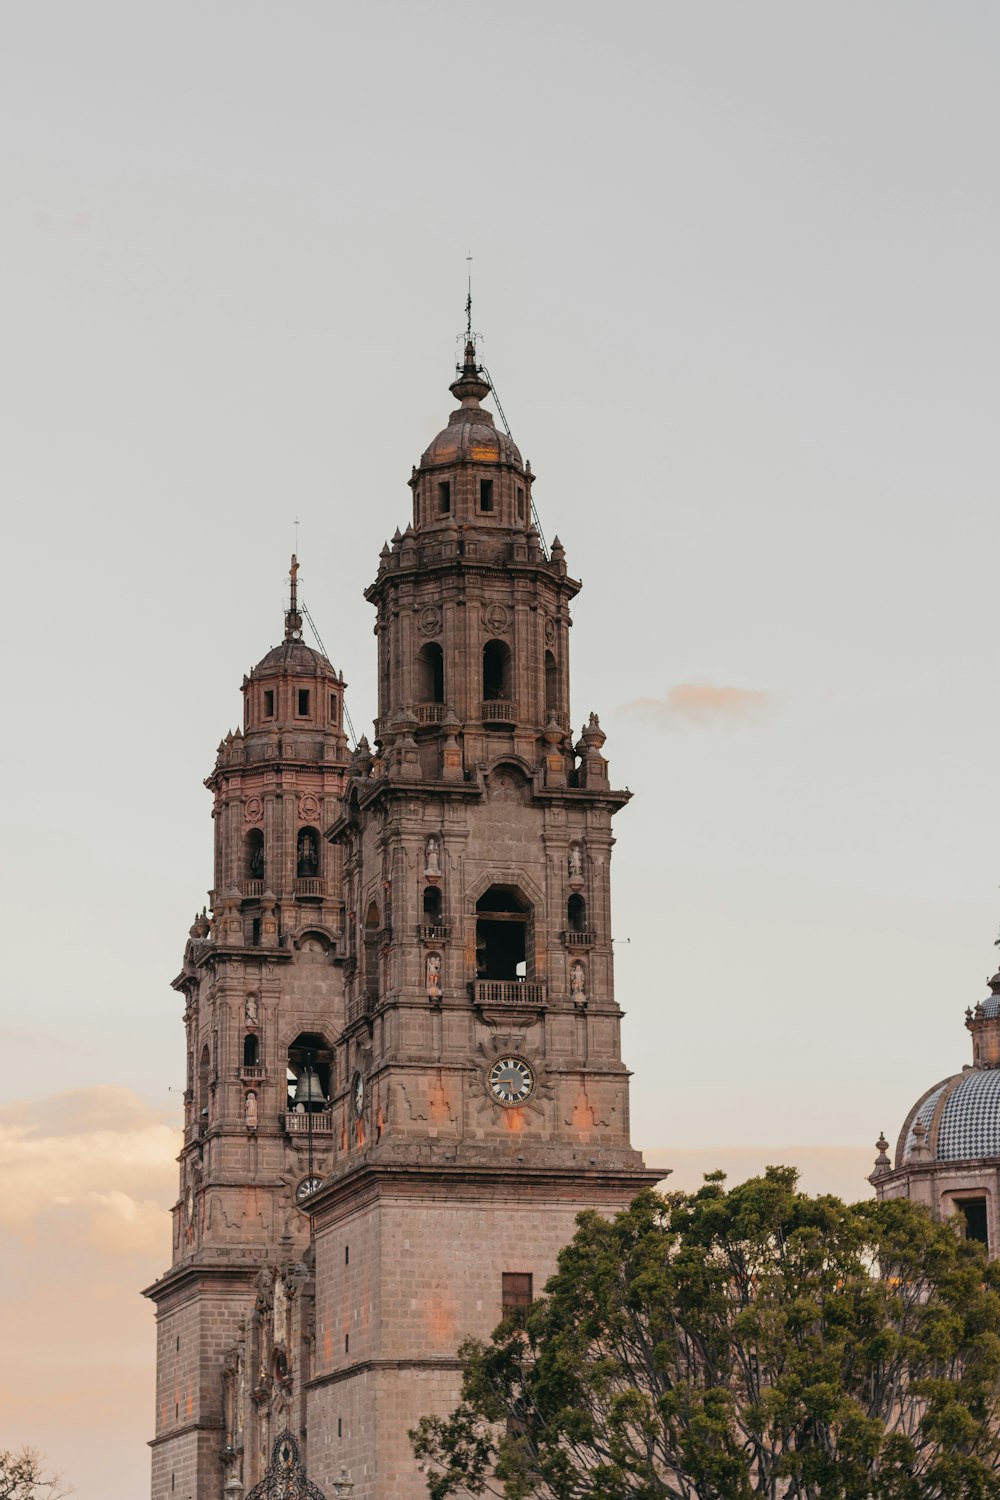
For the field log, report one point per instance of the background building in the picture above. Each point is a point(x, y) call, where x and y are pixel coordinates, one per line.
point(948, 1152)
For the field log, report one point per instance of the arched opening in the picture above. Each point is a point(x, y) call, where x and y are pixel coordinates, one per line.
point(551, 686)
point(502, 916)
point(576, 913)
point(371, 951)
point(307, 853)
point(254, 854)
point(496, 671)
point(309, 1073)
point(430, 673)
point(204, 1067)
point(432, 904)
point(251, 1051)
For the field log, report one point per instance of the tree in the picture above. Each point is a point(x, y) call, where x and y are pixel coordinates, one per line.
point(729, 1344)
point(23, 1477)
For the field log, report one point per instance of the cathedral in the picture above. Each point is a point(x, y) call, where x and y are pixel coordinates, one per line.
point(404, 1075)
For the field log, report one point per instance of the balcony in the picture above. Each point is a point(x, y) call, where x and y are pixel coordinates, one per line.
point(299, 1124)
point(252, 890)
point(508, 992)
point(309, 885)
point(433, 932)
point(430, 713)
point(499, 711)
point(579, 939)
point(252, 1074)
point(362, 1005)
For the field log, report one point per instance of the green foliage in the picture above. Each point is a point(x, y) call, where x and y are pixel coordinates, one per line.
point(23, 1477)
point(728, 1344)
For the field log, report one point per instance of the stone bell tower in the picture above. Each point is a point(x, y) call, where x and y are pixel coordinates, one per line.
point(480, 1099)
point(264, 1006)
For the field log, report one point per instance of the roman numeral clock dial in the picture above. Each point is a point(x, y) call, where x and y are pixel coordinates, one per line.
point(511, 1081)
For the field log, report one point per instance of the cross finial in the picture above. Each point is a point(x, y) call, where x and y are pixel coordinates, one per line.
point(293, 620)
point(468, 302)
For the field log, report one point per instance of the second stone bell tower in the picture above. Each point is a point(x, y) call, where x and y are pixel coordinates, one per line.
point(480, 1100)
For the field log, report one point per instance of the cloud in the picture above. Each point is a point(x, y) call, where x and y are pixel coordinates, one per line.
point(89, 1177)
point(704, 704)
point(95, 1162)
point(63, 225)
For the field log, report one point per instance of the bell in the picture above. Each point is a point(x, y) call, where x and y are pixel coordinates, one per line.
point(308, 1089)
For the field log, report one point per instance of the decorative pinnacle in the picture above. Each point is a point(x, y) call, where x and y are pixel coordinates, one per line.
point(293, 620)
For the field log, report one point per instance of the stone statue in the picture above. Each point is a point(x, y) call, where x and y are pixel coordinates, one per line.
point(575, 862)
point(432, 857)
point(250, 1109)
point(577, 982)
point(434, 976)
point(250, 1011)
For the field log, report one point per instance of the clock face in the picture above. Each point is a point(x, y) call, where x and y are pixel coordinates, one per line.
point(511, 1081)
point(306, 1186)
point(358, 1089)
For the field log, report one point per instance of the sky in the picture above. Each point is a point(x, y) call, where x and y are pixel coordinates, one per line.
point(734, 268)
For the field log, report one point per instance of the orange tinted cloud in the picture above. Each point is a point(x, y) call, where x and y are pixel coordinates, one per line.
point(704, 704)
point(89, 1177)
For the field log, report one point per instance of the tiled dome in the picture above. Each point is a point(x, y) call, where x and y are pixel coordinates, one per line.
point(961, 1119)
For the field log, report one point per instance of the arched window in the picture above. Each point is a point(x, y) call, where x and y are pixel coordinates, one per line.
point(576, 913)
point(204, 1067)
point(371, 951)
point(430, 673)
point(309, 1073)
point(432, 904)
point(502, 917)
point(255, 854)
point(251, 1051)
point(307, 853)
point(496, 671)
point(551, 686)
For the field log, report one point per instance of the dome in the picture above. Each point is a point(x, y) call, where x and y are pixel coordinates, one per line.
point(960, 1119)
point(471, 435)
point(293, 656)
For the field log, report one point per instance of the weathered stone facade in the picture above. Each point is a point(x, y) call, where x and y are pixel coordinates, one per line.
point(436, 975)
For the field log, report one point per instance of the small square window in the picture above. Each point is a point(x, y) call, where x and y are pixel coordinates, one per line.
point(444, 497)
point(268, 703)
point(303, 703)
point(486, 495)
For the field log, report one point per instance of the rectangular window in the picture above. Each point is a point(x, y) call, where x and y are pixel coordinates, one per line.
point(268, 703)
point(485, 495)
point(444, 497)
point(340, 1427)
point(515, 1293)
point(333, 708)
point(520, 504)
point(347, 1255)
point(303, 703)
point(973, 1210)
point(347, 1343)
